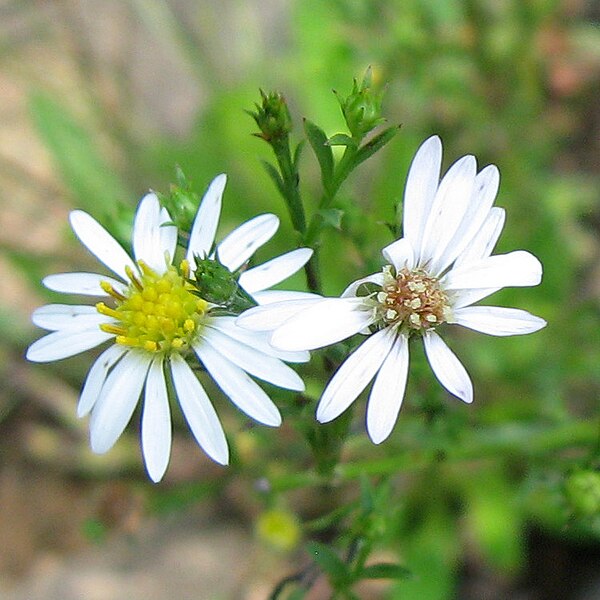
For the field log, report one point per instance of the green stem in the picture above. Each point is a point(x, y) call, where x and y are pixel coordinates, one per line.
point(312, 235)
point(514, 439)
point(291, 181)
point(291, 195)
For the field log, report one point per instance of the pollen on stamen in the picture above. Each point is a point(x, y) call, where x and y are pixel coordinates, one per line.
point(157, 312)
point(110, 290)
point(133, 277)
point(411, 299)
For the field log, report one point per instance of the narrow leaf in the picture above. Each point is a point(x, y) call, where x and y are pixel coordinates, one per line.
point(341, 139)
point(384, 571)
point(318, 141)
point(329, 562)
point(374, 145)
point(275, 177)
point(297, 153)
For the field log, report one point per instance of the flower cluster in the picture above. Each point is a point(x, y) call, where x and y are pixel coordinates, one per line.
point(167, 313)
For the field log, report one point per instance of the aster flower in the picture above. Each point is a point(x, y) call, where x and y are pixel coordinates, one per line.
point(155, 320)
point(433, 276)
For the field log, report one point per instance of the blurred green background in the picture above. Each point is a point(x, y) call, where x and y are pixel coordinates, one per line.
point(100, 101)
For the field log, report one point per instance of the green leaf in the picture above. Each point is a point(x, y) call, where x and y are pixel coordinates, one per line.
point(329, 562)
point(384, 571)
point(275, 177)
point(341, 139)
point(332, 217)
point(297, 153)
point(91, 179)
point(374, 145)
point(318, 141)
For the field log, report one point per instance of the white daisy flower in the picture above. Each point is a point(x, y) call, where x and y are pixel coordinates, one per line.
point(433, 275)
point(155, 322)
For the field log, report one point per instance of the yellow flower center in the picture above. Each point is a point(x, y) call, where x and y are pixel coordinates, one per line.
point(157, 313)
point(412, 299)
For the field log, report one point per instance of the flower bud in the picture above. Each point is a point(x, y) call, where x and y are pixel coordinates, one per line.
point(181, 202)
point(362, 108)
point(216, 284)
point(272, 117)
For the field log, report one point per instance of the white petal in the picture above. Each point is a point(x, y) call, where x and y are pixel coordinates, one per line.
point(87, 284)
point(387, 394)
point(96, 377)
point(421, 185)
point(62, 344)
point(270, 316)
point(271, 296)
point(117, 401)
point(236, 385)
point(495, 320)
point(259, 340)
point(243, 242)
point(452, 202)
point(199, 411)
point(447, 368)
point(476, 211)
point(67, 316)
point(146, 234)
point(100, 243)
point(482, 244)
point(326, 322)
point(156, 422)
point(462, 298)
point(518, 268)
point(274, 271)
point(168, 235)
point(400, 254)
point(205, 224)
point(354, 375)
point(252, 361)
point(350, 291)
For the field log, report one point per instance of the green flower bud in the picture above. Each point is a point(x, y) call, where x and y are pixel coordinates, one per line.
point(216, 284)
point(272, 117)
point(181, 202)
point(362, 108)
point(583, 493)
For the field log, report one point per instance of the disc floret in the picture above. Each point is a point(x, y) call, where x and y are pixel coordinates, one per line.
point(157, 312)
point(411, 299)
